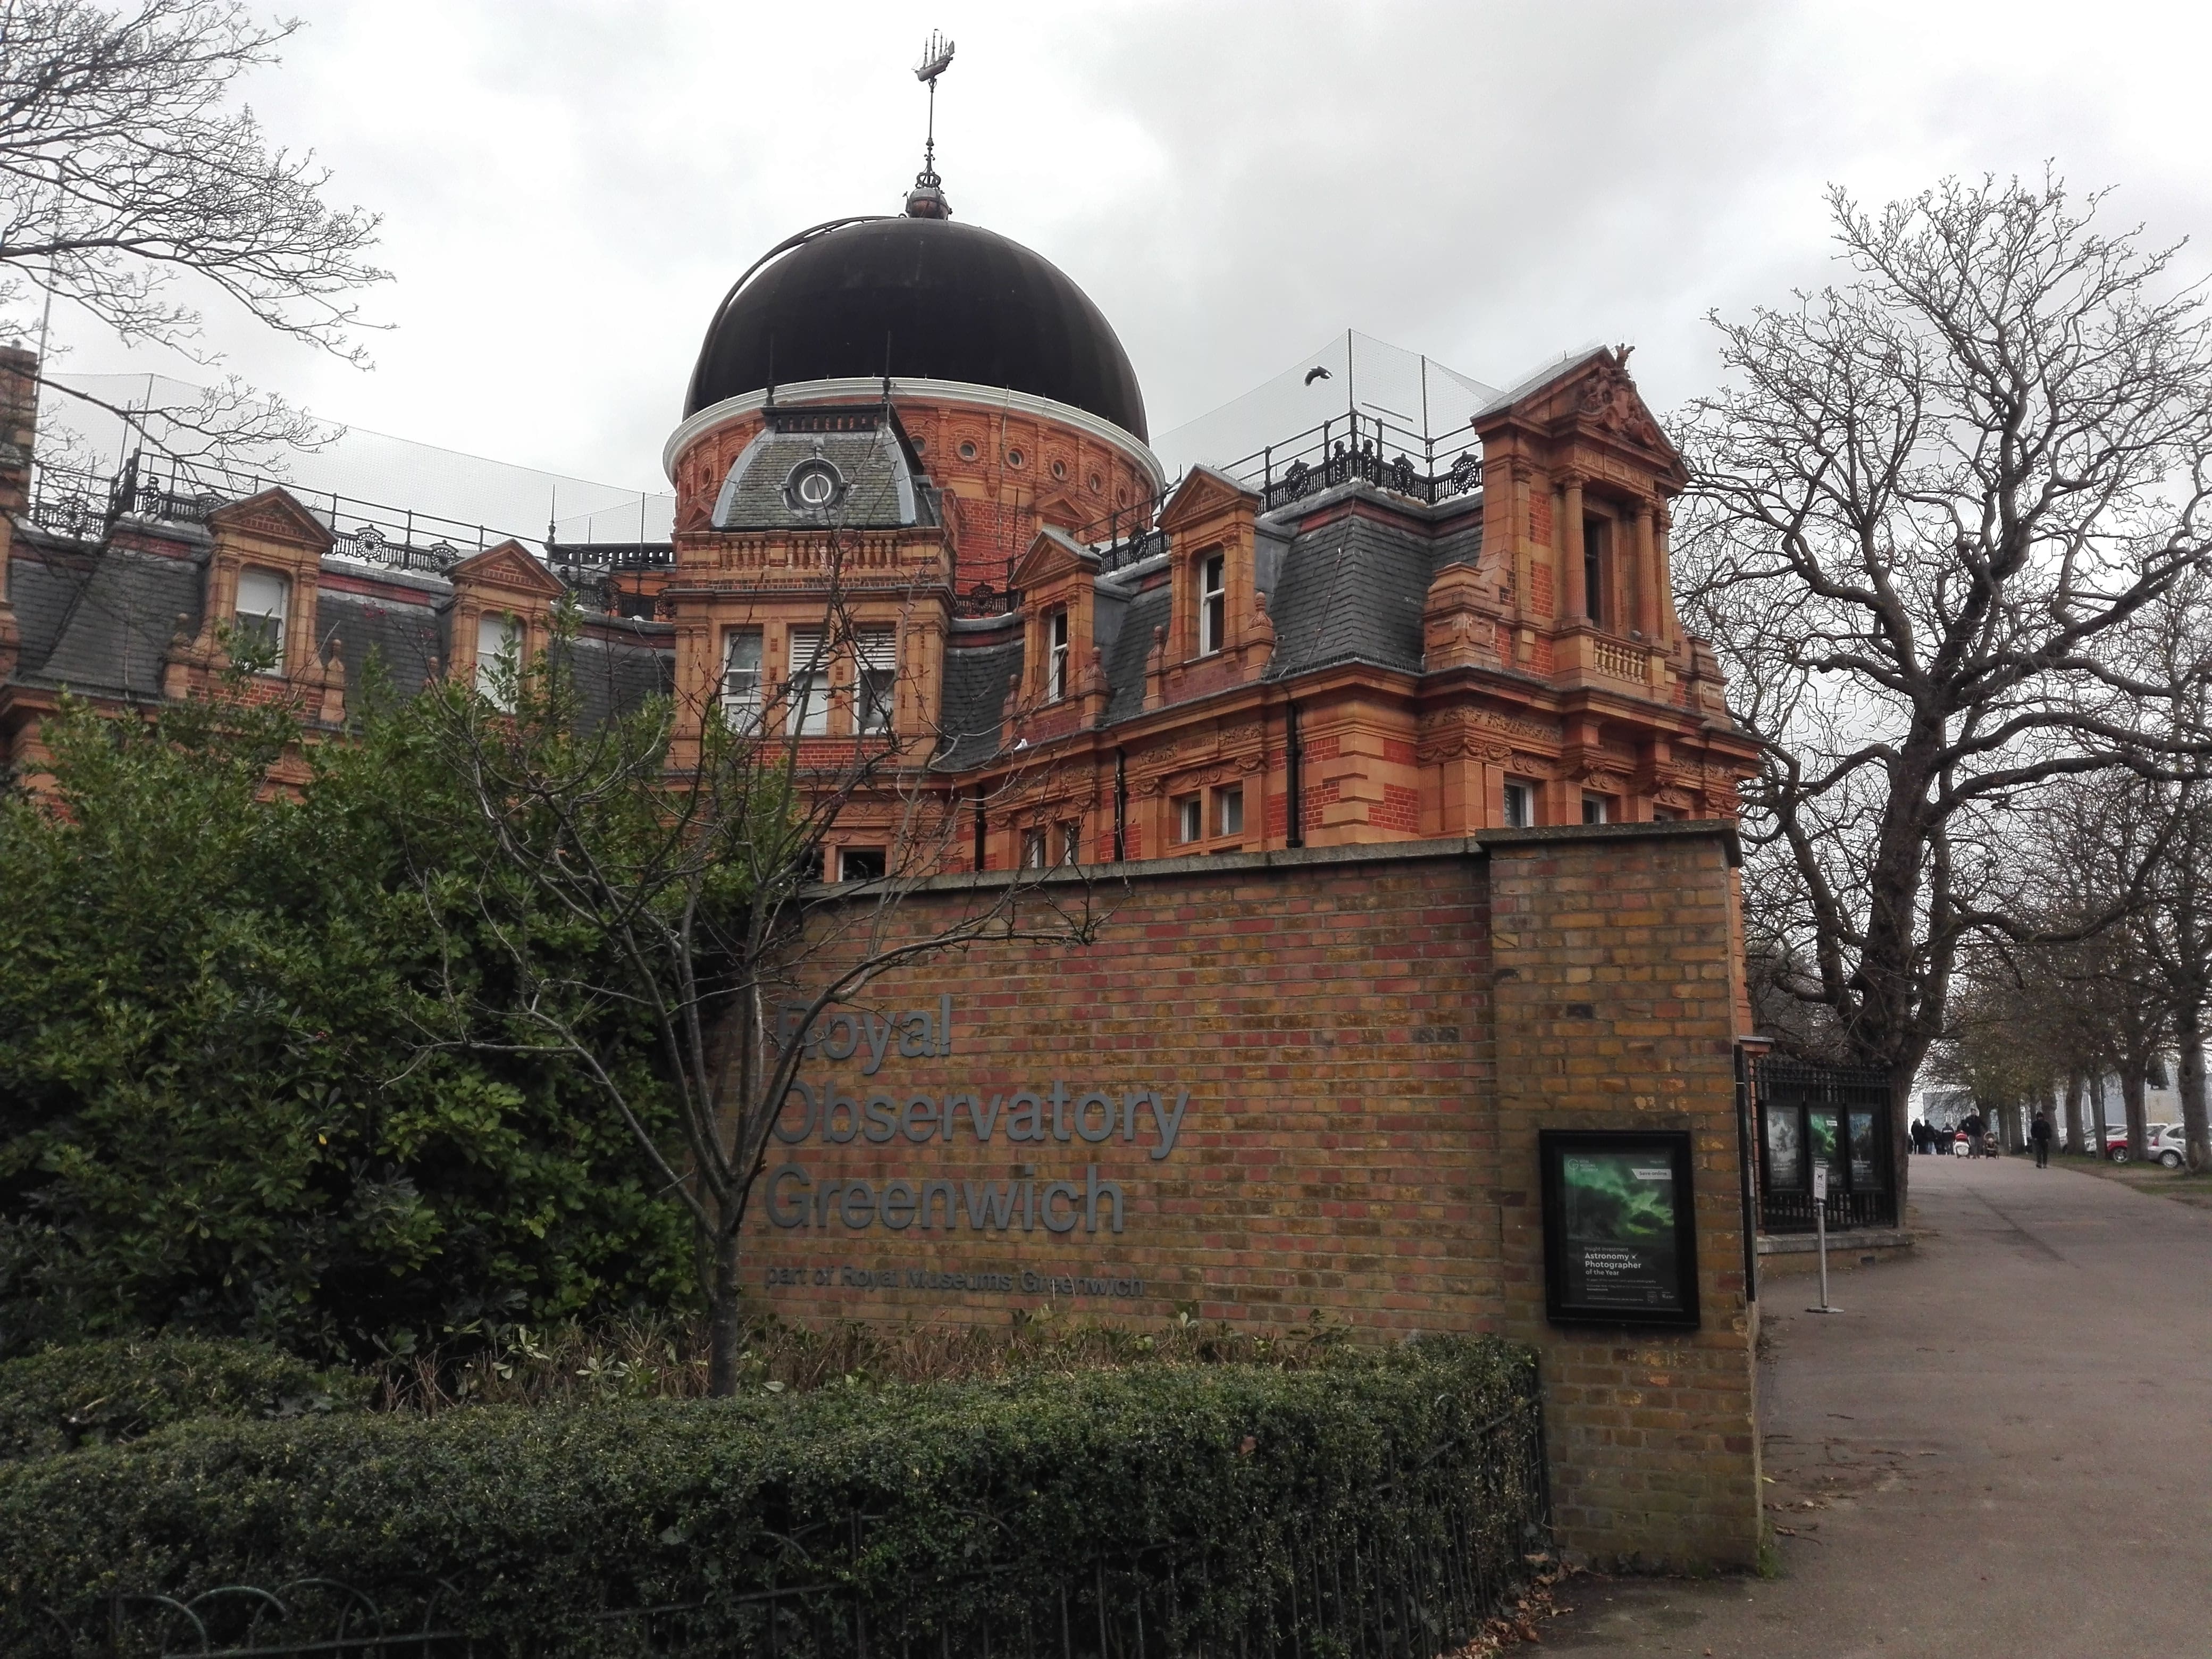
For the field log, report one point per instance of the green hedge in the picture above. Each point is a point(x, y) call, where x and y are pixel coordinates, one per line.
point(92, 1393)
point(1381, 1499)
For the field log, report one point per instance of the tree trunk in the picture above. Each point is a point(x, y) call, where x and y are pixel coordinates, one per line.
point(724, 1319)
point(2188, 1036)
point(2096, 1106)
point(1901, 1132)
point(2133, 1075)
point(2074, 1140)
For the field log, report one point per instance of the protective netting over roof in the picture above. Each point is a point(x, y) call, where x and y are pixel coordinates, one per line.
point(1412, 393)
point(366, 467)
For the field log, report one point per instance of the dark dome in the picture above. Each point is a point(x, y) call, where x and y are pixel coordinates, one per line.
point(955, 302)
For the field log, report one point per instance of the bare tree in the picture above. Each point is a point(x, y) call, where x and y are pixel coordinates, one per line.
point(690, 868)
point(128, 173)
point(1921, 511)
point(2170, 821)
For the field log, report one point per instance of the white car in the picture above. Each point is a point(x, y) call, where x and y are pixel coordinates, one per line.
point(2166, 1143)
point(2162, 1144)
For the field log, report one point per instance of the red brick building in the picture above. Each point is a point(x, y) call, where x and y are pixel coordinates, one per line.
point(1417, 798)
point(1346, 649)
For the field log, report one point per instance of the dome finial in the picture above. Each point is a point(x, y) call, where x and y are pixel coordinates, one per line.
point(926, 199)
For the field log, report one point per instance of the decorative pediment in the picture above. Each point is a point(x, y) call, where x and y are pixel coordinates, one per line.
point(275, 514)
point(1206, 493)
point(1052, 555)
point(1592, 396)
point(509, 568)
point(1063, 511)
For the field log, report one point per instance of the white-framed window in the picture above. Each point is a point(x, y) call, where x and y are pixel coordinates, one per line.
point(1597, 808)
point(1055, 661)
point(741, 678)
point(1190, 818)
point(263, 601)
point(875, 654)
point(1070, 843)
point(806, 683)
point(860, 864)
point(499, 654)
point(1033, 849)
point(1520, 804)
point(1229, 811)
point(1212, 603)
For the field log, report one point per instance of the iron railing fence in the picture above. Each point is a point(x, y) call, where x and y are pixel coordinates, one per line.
point(1836, 1115)
point(1421, 1585)
point(86, 506)
point(1424, 467)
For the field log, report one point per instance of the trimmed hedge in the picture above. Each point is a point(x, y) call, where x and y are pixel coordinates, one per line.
point(92, 1393)
point(1392, 1495)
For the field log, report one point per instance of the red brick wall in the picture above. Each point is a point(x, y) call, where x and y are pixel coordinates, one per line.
point(1615, 1008)
point(1369, 1039)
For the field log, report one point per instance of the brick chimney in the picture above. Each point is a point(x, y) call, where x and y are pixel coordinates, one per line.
point(19, 429)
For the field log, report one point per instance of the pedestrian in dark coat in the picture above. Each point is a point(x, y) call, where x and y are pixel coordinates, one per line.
point(2039, 1133)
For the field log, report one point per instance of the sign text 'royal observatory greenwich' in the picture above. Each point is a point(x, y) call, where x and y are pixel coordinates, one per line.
point(1043, 1114)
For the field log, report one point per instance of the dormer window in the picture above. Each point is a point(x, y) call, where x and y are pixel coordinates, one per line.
point(1212, 604)
point(814, 486)
point(499, 644)
point(264, 601)
point(1055, 672)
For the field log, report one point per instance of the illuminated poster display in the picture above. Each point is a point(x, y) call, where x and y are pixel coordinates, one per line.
point(1619, 1231)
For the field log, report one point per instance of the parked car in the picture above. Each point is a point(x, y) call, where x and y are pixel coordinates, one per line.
point(2168, 1144)
point(2116, 1142)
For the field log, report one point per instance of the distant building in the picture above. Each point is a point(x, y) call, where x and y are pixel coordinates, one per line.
point(1358, 635)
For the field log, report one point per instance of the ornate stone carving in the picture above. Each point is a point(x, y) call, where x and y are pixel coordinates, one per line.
point(1609, 402)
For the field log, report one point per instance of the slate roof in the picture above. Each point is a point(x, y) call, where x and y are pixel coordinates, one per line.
point(101, 625)
point(1125, 663)
point(1350, 592)
point(620, 664)
point(879, 485)
point(407, 640)
point(976, 682)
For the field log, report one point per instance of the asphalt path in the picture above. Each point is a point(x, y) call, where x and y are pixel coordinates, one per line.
point(2001, 1446)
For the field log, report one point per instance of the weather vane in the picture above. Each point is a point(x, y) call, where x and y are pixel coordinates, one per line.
point(928, 200)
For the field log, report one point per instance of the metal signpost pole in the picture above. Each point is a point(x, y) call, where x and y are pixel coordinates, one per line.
point(1820, 1226)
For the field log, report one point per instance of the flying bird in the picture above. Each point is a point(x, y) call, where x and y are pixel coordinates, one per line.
point(1317, 373)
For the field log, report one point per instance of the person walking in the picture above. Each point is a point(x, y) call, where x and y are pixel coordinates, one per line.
point(1972, 1127)
point(1920, 1136)
point(2039, 1133)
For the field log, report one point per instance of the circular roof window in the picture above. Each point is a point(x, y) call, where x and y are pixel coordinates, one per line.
point(966, 452)
point(813, 485)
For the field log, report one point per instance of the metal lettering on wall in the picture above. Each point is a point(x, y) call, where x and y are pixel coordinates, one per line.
point(1046, 1114)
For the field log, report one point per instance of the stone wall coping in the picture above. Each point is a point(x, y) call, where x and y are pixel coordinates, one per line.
point(1843, 1242)
point(1481, 844)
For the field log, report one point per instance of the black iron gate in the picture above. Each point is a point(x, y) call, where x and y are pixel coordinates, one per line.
point(1836, 1115)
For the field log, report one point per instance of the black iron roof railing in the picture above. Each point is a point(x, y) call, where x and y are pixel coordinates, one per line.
point(1423, 467)
point(86, 506)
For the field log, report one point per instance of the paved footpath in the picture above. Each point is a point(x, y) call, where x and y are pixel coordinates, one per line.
point(2003, 1448)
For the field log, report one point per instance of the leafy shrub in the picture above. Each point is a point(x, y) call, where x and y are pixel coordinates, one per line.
point(217, 1109)
point(94, 1393)
point(665, 1358)
point(1384, 1498)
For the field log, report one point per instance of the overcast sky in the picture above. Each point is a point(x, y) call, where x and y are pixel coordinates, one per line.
point(568, 188)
